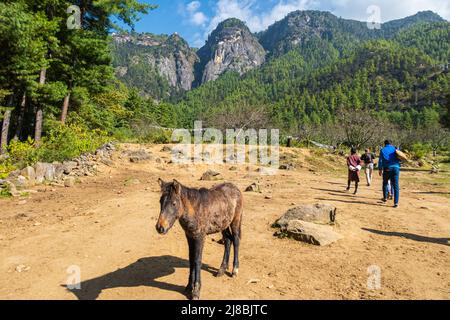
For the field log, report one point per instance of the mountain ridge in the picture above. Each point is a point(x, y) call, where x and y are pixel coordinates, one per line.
point(231, 47)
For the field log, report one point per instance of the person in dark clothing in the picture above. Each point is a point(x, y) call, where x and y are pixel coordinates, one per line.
point(354, 167)
point(368, 159)
point(389, 169)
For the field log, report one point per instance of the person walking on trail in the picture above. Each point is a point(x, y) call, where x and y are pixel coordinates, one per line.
point(369, 162)
point(354, 167)
point(389, 169)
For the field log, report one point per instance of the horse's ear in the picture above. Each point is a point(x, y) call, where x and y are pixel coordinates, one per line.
point(177, 186)
point(161, 183)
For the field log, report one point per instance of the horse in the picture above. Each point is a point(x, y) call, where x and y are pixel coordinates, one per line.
point(202, 212)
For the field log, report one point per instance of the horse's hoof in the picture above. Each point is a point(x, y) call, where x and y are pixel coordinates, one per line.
point(194, 295)
point(235, 273)
point(220, 273)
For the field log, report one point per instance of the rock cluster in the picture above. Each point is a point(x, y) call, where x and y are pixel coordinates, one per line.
point(310, 224)
point(63, 173)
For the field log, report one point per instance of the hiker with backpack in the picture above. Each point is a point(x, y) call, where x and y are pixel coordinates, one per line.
point(369, 162)
point(389, 169)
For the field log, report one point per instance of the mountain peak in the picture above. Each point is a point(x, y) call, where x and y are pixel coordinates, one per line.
point(232, 23)
point(230, 47)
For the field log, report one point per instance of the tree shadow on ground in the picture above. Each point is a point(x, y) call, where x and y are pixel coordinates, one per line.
point(143, 272)
point(410, 236)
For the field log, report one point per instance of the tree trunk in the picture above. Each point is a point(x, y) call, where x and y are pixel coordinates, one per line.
point(5, 130)
point(20, 118)
point(65, 108)
point(39, 112)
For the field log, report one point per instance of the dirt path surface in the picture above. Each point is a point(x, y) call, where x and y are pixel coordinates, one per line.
point(105, 225)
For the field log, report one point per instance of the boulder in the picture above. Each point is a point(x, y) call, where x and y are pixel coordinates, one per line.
point(12, 189)
point(30, 174)
point(69, 182)
point(44, 171)
point(49, 172)
point(69, 166)
point(138, 156)
point(319, 235)
point(211, 175)
point(254, 187)
point(21, 182)
point(40, 172)
point(166, 149)
point(317, 213)
point(59, 170)
point(287, 167)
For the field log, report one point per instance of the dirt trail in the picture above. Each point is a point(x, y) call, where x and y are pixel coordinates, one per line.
point(105, 225)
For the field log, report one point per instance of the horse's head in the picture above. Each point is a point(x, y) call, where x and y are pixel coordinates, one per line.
point(171, 205)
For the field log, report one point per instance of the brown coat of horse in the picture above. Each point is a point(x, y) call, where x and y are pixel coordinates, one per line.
point(202, 212)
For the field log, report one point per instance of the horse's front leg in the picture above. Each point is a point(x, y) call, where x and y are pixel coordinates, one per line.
point(190, 286)
point(198, 252)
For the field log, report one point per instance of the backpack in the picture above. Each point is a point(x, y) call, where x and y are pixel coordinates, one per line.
point(401, 155)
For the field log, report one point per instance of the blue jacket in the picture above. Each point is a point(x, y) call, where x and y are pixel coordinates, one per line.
point(388, 158)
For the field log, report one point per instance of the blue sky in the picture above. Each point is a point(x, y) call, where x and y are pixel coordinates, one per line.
point(195, 19)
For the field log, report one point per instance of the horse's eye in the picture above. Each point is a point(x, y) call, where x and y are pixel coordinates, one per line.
point(174, 203)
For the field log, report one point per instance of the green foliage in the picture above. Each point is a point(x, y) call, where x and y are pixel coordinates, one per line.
point(67, 142)
point(420, 150)
point(22, 154)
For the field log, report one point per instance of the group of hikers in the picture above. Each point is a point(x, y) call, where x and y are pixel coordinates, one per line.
point(388, 167)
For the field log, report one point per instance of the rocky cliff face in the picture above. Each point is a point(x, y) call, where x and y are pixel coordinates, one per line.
point(231, 47)
point(170, 57)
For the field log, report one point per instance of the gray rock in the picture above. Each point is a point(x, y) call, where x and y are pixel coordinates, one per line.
point(21, 182)
point(211, 175)
point(12, 189)
point(59, 171)
point(166, 149)
point(254, 187)
point(69, 166)
point(49, 172)
point(138, 156)
point(30, 174)
point(69, 182)
point(287, 167)
point(318, 213)
point(311, 233)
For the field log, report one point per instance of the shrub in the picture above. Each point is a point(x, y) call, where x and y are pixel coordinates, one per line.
point(420, 150)
point(67, 142)
point(22, 154)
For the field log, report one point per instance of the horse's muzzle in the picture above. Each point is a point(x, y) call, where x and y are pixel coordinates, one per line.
point(161, 230)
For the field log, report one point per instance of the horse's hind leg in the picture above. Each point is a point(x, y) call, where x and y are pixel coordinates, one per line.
point(227, 238)
point(236, 235)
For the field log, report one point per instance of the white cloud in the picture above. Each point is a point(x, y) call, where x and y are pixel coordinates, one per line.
point(390, 10)
point(198, 18)
point(193, 6)
point(193, 14)
point(248, 10)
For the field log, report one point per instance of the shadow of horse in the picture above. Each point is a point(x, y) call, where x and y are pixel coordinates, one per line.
point(143, 272)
